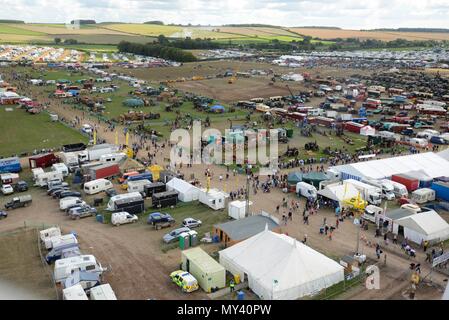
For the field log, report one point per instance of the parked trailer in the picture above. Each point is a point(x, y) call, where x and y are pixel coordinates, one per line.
point(131, 202)
point(165, 199)
point(10, 165)
point(322, 121)
point(107, 170)
point(74, 147)
point(155, 187)
point(43, 160)
point(138, 186)
point(441, 189)
point(99, 150)
point(410, 183)
point(353, 126)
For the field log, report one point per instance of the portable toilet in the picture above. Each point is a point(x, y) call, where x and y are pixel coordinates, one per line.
point(289, 133)
point(240, 295)
point(193, 235)
point(184, 240)
point(99, 218)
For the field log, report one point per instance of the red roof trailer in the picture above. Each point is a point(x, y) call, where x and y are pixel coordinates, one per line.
point(353, 126)
point(322, 121)
point(43, 160)
point(409, 183)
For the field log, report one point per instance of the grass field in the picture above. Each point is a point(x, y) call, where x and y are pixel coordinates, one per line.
point(23, 132)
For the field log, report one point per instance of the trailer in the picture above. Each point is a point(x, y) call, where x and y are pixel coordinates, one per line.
point(165, 199)
point(131, 202)
point(410, 183)
point(74, 147)
point(155, 187)
point(102, 292)
point(43, 160)
point(10, 165)
point(95, 152)
point(353, 127)
point(441, 189)
point(107, 170)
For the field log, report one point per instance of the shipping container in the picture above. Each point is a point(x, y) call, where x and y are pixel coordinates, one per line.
point(410, 183)
point(43, 160)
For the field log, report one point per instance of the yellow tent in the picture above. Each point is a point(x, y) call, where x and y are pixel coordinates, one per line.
point(155, 170)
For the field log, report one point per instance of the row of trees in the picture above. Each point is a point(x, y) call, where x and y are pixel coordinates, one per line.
point(188, 43)
point(66, 41)
point(156, 50)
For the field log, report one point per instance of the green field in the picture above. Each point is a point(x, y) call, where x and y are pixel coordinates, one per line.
point(8, 29)
point(23, 132)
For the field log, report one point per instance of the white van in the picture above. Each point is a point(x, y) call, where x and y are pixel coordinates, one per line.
point(123, 217)
point(399, 189)
point(49, 233)
point(70, 201)
point(306, 190)
point(61, 168)
point(96, 186)
point(75, 292)
point(417, 142)
point(102, 292)
point(371, 212)
point(423, 195)
point(59, 240)
point(64, 267)
point(138, 185)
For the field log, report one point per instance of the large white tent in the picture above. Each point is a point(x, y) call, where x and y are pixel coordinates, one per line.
point(427, 225)
point(429, 162)
point(186, 191)
point(279, 267)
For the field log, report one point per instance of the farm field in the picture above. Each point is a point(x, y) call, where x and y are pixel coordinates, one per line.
point(23, 132)
point(323, 33)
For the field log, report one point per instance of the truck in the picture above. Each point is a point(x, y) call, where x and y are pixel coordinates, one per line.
point(385, 185)
point(19, 202)
point(10, 165)
point(442, 190)
point(43, 160)
point(410, 183)
point(372, 194)
point(306, 190)
point(95, 152)
point(107, 170)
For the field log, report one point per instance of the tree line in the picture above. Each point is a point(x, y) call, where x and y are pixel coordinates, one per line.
point(156, 50)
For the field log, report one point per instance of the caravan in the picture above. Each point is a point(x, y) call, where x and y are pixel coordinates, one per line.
point(423, 195)
point(97, 186)
point(65, 267)
point(56, 241)
point(43, 178)
point(138, 186)
point(131, 202)
point(61, 168)
point(49, 233)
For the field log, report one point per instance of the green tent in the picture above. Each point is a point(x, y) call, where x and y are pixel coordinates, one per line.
point(314, 178)
point(294, 177)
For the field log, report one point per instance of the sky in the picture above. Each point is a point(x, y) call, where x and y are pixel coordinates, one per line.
point(349, 14)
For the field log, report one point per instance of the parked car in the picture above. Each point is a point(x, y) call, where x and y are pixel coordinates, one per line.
point(69, 193)
point(111, 192)
point(21, 186)
point(184, 280)
point(123, 217)
point(3, 214)
point(7, 189)
point(52, 190)
point(56, 184)
point(81, 212)
point(173, 235)
point(191, 223)
point(160, 220)
point(77, 205)
point(55, 194)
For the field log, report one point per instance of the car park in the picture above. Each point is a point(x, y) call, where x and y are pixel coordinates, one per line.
point(191, 223)
point(173, 235)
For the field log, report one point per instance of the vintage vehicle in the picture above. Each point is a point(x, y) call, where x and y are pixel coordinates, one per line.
point(18, 202)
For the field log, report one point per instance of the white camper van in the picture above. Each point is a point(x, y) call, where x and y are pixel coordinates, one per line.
point(423, 195)
point(49, 233)
point(399, 189)
point(112, 157)
point(75, 292)
point(97, 186)
point(138, 185)
point(102, 292)
point(59, 240)
point(43, 178)
point(61, 168)
point(36, 172)
point(64, 267)
point(306, 190)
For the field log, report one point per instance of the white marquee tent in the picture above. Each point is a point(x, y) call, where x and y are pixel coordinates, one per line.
point(427, 225)
point(430, 163)
point(279, 267)
point(187, 192)
point(339, 192)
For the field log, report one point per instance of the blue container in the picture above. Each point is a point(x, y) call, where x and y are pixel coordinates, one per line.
point(99, 218)
point(240, 295)
point(215, 239)
point(441, 190)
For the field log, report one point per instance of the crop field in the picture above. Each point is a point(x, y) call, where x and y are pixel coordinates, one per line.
point(40, 132)
point(323, 33)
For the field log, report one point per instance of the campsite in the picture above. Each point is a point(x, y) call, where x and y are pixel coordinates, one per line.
point(167, 161)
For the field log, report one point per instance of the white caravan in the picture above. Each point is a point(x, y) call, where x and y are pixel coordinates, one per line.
point(64, 267)
point(97, 186)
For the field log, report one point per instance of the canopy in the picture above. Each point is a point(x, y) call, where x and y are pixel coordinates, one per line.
point(294, 178)
point(314, 178)
point(426, 225)
point(339, 192)
point(279, 267)
point(187, 192)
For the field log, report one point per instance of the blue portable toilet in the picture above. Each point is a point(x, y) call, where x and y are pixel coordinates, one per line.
point(99, 218)
point(240, 295)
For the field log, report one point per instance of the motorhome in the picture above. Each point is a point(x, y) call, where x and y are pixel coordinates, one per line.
point(423, 195)
point(97, 186)
point(102, 292)
point(399, 189)
point(385, 185)
point(65, 267)
point(43, 178)
point(49, 233)
point(61, 168)
point(52, 242)
point(371, 212)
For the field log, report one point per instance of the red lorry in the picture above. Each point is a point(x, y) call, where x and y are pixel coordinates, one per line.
point(410, 183)
point(43, 160)
point(103, 171)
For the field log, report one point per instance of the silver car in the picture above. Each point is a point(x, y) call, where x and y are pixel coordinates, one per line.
point(173, 235)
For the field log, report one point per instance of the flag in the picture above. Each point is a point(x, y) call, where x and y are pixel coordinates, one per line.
point(95, 136)
point(127, 139)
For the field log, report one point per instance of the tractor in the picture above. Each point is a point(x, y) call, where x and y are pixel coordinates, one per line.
point(311, 146)
point(291, 152)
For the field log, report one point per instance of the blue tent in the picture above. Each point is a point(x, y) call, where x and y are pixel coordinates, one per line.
point(217, 108)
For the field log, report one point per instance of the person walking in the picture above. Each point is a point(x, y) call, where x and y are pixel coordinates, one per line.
point(425, 245)
point(305, 239)
point(232, 285)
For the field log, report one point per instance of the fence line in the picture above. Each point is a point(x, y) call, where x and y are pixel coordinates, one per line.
point(45, 264)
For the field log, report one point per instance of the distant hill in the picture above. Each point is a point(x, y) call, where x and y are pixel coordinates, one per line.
point(154, 22)
point(252, 25)
point(434, 30)
point(318, 27)
point(11, 21)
